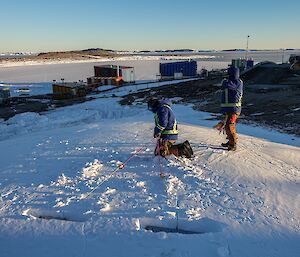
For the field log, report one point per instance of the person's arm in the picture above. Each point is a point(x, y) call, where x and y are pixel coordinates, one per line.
point(236, 86)
point(161, 121)
point(224, 84)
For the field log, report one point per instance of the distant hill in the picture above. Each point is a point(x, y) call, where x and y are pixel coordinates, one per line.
point(166, 51)
point(233, 50)
point(86, 53)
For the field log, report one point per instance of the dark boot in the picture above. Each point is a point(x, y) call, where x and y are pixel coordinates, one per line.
point(174, 150)
point(231, 147)
point(225, 144)
point(185, 149)
point(188, 147)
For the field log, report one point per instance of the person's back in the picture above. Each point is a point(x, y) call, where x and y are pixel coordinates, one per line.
point(232, 92)
point(165, 121)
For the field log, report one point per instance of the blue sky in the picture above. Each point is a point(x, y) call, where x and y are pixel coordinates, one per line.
point(147, 24)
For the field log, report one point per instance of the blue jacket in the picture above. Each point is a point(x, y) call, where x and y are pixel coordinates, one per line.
point(232, 92)
point(165, 121)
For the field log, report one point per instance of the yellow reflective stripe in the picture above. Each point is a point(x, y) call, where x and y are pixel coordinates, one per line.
point(157, 123)
point(172, 131)
point(240, 100)
point(160, 127)
point(226, 95)
point(165, 105)
point(227, 104)
point(168, 132)
point(232, 105)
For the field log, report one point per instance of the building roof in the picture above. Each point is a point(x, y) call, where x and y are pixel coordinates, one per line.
point(69, 84)
point(114, 66)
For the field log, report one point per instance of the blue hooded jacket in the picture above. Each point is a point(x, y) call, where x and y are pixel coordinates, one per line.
point(232, 92)
point(165, 121)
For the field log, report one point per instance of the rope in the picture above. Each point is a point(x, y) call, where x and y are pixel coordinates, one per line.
point(121, 166)
point(158, 148)
point(177, 214)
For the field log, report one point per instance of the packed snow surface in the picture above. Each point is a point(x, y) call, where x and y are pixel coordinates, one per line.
point(62, 194)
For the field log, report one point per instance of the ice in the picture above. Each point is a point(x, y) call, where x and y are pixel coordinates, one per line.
point(38, 75)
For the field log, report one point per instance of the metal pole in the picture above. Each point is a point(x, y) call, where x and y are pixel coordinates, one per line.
point(177, 218)
point(247, 46)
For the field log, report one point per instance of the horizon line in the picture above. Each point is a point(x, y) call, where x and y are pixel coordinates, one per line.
point(151, 50)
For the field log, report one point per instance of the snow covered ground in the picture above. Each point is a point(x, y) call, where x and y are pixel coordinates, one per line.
point(19, 89)
point(56, 200)
point(31, 89)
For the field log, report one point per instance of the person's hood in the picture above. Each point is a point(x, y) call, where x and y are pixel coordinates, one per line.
point(233, 73)
point(161, 103)
point(165, 101)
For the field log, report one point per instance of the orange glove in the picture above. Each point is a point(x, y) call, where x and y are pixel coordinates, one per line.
point(219, 126)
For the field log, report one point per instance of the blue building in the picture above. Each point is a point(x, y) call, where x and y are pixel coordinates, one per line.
point(177, 70)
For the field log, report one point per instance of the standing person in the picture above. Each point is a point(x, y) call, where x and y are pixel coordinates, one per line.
point(165, 130)
point(231, 105)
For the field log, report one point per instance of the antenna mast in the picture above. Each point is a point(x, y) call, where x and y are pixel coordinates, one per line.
point(247, 48)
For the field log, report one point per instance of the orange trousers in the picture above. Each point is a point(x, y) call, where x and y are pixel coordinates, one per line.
point(230, 127)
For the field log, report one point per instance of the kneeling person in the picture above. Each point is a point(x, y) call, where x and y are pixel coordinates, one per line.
point(166, 130)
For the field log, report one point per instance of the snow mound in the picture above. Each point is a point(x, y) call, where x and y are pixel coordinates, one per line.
point(22, 124)
point(92, 169)
point(63, 180)
point(27, 119)
point(82, 114)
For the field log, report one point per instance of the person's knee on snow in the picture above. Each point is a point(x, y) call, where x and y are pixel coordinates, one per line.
point(185, 150)
point(166, 128)
point(179, 150)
